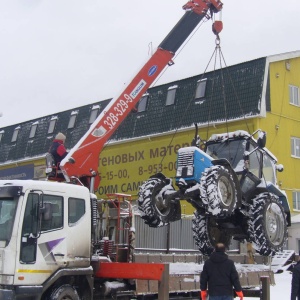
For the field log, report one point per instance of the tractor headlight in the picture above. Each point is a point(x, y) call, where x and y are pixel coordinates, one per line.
point(179, 172)
point(190, 171)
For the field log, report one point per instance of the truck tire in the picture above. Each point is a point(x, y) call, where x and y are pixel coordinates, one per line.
point(155, 209)
point(267, 225)
point(207, 234)
point(64, 292)
point(218, 191)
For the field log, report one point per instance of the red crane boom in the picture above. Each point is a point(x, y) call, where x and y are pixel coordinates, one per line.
point(82, 161)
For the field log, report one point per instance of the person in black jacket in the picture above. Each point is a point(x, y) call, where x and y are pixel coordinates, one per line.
point(295, 292)
point(219, 276)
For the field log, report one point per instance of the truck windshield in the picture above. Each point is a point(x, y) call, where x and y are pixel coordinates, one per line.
point(232, 150)
point(7, 216)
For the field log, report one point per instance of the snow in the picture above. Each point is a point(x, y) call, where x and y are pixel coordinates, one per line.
point(173, 87)
point(296, 219)
point(280, 291)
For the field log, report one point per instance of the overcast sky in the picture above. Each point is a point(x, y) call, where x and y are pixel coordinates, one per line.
point(59, 54)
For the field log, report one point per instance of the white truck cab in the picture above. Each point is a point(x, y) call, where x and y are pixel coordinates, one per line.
point(45, 234)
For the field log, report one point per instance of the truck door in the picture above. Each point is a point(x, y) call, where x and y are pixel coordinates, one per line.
point(42, 238)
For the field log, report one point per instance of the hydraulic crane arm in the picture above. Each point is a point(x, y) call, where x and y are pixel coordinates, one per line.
point(82, 160)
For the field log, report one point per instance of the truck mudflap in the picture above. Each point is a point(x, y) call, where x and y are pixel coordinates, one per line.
point(7, 294)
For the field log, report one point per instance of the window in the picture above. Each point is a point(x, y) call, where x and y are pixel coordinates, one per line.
point(72, 119)
point(295, 147)
point(296, 200)
point(1, 135)
point(52, 125)
point(143, 103)
point(53, 217)
point(15, 134)
point(201, 88)
point(269, 168)
point(94, 113)
point(30, 228)
point(171, 95)
point(294, 95)
point(33, 130)
point(76, 210)
point(47, 219)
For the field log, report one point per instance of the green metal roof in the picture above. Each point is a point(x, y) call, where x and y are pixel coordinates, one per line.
point(242, 94)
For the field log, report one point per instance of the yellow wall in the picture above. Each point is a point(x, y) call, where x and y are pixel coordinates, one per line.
point(124, 166)
point(283, 122)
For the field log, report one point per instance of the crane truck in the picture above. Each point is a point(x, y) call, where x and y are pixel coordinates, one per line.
point(55, 238)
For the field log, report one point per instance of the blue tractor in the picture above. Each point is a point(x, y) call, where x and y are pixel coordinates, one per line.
point(233, 187)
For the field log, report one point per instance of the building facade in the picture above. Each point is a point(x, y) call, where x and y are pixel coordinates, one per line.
point(258, 94)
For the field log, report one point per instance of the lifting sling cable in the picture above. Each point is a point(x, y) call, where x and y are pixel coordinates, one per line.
point(234, 90)
point(179, 50)
point(240, 106)
point(187, 107)
point(150, 50)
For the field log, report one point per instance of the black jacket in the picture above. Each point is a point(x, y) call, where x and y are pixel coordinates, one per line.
point(296, 282)
point(219, 275)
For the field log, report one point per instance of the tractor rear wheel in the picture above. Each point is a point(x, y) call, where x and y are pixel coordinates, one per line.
point(207, 234)
point(267, 225)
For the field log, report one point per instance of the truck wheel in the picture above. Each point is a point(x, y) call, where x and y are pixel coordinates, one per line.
point(64, 292)
point(207, 234)
point(267, 225)
point(218, 191)
point(155, 209)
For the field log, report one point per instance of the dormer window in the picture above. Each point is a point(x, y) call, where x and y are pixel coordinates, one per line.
point(15, 134)
point(94, 113)
point(171, 95)
point(72, 119)
point(201, 88)
point(1, 135)
point(33, 130)
point(143, 103)
point(52, 125)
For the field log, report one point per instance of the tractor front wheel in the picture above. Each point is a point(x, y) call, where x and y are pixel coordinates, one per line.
point(155, 202)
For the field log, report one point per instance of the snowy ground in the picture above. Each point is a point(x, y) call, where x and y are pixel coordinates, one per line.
point(283, 286)
point(280, 291)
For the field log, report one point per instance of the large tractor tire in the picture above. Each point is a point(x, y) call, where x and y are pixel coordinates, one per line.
point(207, 234)
point(64, 292)
point(268, 226)
point(218, 191)
point(156, 209)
